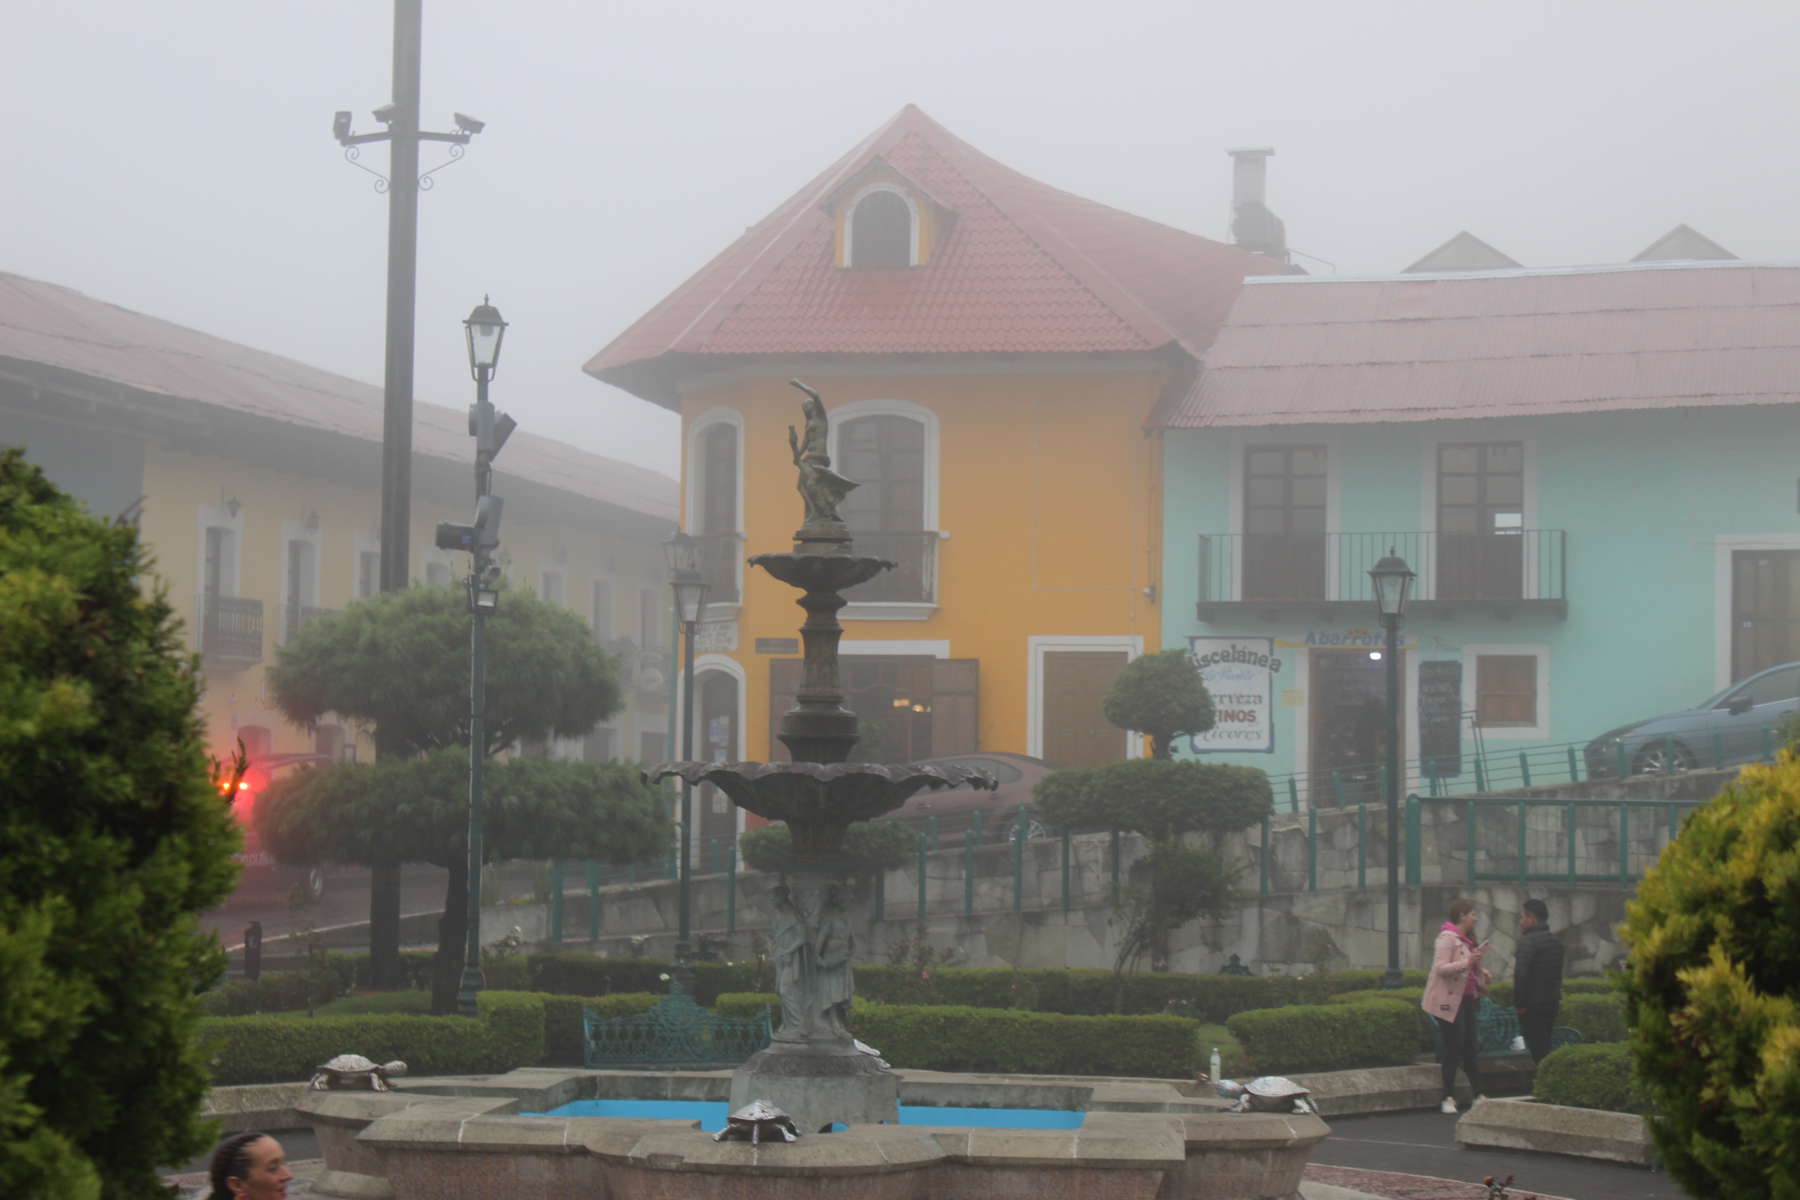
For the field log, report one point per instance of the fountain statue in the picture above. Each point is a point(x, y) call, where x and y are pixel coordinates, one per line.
point(814, 1069)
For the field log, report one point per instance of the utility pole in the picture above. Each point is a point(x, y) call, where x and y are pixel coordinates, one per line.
point(402, 185)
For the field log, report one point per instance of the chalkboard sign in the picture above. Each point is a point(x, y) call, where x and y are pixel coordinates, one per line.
point(1440, 717)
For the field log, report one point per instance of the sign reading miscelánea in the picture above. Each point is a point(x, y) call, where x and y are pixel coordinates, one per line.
point(1239, 673)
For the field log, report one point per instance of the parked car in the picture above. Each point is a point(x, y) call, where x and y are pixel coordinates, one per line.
point(955, 808)
point(1723, 730)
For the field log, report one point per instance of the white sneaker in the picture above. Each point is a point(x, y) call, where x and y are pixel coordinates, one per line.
point(1448, 1106)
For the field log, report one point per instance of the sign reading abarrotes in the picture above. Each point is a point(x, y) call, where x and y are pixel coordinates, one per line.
point(1240, 676)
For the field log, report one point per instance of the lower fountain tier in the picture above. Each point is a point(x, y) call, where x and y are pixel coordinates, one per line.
point(819, 1085)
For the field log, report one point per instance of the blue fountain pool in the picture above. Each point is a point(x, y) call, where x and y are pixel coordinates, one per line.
point(712, 1114)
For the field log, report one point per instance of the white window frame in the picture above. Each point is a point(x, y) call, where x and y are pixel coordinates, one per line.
point(219, 517)
point(1037, 648)
point(843, 414)
point(1472, 653)
point(729, 666)
point(1429, 446)
point(694, 495)
point(296, 531)
point(1274, 439)
point(912, 212)
point(1723, 545)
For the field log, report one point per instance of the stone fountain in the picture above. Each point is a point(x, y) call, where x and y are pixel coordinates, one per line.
point(814, 1069)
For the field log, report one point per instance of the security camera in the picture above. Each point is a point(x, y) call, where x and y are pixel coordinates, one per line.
point(469, 124)
point(340, 124)
point(385, 114)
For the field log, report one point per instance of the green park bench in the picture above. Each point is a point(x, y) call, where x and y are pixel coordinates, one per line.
point(675, 1032)
point(1497, 1025)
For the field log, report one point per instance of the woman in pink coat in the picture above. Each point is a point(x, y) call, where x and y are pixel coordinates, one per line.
point(1452, 998)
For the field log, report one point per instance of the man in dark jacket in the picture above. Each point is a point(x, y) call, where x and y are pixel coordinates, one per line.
point(1537, 978)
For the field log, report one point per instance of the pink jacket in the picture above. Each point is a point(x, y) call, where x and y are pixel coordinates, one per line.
point(1445, 986)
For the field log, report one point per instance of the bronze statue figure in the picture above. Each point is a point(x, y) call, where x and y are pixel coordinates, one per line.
point(821, 488)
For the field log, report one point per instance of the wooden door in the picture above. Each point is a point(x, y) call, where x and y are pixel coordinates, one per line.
point(1076, 731)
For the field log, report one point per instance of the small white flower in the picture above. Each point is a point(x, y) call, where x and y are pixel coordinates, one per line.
point(664, 977)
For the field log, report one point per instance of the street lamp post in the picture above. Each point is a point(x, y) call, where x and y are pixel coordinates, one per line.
point(485, 331)
point(1393, 581)
point(689, 586)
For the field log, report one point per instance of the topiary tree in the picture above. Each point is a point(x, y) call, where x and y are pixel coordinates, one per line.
point(1713, 989)
point(115, 839)
point(1161, 696)
point(419, 809)
point(400, 660)
point(1165, 800)
point(869, 846)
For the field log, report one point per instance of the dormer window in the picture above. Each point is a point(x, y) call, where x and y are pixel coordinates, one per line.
point(883, 231)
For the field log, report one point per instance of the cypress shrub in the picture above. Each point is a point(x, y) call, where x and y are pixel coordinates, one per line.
point(1713, 990)
point(283, 1049)
point(1591, 1076)
point(1327, 1037)
point(115, 838)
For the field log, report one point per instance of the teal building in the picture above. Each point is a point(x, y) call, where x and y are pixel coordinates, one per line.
point(1593, 472)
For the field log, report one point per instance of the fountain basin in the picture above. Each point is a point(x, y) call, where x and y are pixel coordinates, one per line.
point(711, 1114)
point(467, 1139)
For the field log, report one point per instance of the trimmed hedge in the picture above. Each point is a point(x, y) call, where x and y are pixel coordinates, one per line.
point(1591, 1076)
point(281, 1049)
point(943, 1037)
point(576, 974)
point(562, 1021)
point(282, 991)
point(1328, 1037)
point(1587, 985)
point(1405, 996)
point(1600, 1017)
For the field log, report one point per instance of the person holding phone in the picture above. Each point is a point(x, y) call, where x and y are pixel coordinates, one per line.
point(1452, 998)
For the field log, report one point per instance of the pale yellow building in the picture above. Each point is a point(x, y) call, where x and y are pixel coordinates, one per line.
point(256, 481)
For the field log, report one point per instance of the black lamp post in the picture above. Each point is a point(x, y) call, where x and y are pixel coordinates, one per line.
point(485, 332)
point(689, 586)
point(1393, 581)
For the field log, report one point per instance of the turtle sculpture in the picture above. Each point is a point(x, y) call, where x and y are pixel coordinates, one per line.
point(353, 1072)
point(1266, 1093)
point(757, 1122)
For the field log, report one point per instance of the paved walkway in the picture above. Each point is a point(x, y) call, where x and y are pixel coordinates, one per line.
point(1369, 1150)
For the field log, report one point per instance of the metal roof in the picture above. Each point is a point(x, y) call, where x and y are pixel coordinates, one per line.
point(59, 327)
point(1314, 350)
point(1024, 268)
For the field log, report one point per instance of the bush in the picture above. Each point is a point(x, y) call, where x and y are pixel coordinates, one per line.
point(1587, 985)
point(283, 1049)
point(353, 970)
point(1328, 1037)
point(283, 991)
point(1234, 1063)
point(943, 1037)
point(576, 974)
point(869, 846)
point(1713, 994)
point(562, 1021)
point(115, 840)
point(1597, 1017)
point(366, 1004)
point(1597, 1076)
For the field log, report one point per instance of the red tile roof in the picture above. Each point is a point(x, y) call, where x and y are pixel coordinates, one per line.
point(62, 328)
point(1025, 268)
point(1505, 343)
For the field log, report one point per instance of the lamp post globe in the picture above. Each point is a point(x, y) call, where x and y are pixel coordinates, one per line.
point(1392, 582)
point(484, 330)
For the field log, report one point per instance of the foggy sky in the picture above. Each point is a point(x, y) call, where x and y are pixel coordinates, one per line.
point(177, 158)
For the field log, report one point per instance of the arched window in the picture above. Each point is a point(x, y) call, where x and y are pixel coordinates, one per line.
point(881, 231)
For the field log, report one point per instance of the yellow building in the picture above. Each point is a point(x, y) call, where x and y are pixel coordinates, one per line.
point(256, 481)
point(990, 350)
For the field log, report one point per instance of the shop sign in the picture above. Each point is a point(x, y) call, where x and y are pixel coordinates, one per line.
point(1240, 676)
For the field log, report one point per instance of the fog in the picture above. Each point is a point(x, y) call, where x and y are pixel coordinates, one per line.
point(178, 158)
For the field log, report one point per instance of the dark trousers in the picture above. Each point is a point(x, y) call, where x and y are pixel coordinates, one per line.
point(1462, 1043)
point(1536, 1023)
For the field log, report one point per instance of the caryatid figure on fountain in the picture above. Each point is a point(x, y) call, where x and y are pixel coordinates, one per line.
point(813, 947)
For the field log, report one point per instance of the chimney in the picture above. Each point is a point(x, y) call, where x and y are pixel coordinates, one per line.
point(1253, 226)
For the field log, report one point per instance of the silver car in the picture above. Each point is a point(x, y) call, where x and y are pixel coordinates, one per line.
point(1735, 726)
